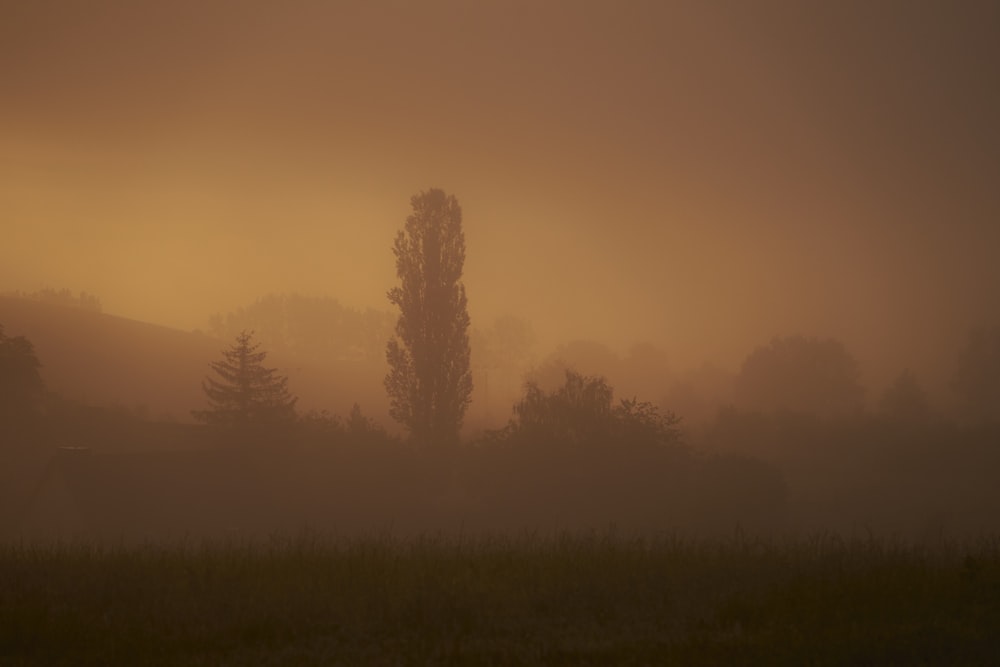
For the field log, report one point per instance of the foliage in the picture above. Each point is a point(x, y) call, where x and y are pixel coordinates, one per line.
point(21, 386)
point(246, 393)
point(801, 374)
point(561, 599)
point(356, 428)
point(361, 428)
point(321, 425)
point(582, 411)
point(977, 378)
point(309, 327)
point(429, 381)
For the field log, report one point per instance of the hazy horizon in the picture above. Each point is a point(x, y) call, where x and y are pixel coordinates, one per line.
point(700, 175)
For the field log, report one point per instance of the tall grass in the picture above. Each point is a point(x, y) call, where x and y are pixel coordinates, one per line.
point(528, 599)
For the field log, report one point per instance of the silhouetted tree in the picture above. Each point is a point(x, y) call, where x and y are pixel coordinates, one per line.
point(21, 386)
point(244, 392)
point(582, 411)
point(429, 381)
point(800, 374)
point(642, 372)
point(977, 378)
point(321, 425)
point(362, 429)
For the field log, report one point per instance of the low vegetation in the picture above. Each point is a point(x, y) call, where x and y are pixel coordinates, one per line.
point(562, 599)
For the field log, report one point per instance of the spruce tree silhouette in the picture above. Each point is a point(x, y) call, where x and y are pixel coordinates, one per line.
point(244, 393)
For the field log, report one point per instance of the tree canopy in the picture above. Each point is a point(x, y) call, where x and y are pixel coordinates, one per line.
point(801, 374)
point(21, 386)
point(244, 392)
point(429, 380)
point(583, 412)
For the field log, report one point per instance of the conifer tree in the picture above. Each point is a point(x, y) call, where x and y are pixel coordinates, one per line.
point(429, 381)
point(244, 392)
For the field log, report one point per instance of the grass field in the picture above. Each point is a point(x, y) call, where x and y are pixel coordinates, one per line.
point(571, 599)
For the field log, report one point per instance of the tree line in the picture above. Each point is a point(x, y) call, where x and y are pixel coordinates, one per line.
point(60, 297)
point(571, 452)
point(430, 380)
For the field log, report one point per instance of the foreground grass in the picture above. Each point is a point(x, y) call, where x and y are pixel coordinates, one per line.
point(528, 600)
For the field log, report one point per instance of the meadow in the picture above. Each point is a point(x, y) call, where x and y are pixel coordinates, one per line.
point(530, 599)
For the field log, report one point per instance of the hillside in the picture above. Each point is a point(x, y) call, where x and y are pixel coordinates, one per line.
point(102, 359)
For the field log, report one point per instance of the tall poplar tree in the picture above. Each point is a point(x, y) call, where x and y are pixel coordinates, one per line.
point(244, 392)
point(429, 381)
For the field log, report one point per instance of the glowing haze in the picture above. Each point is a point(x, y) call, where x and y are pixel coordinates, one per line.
point(702, 175)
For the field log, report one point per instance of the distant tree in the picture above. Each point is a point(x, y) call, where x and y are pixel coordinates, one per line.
point(644, 370)
point(21, 386)
point(977, 377)
point(62, 297)
point(309, 327)
point(582, 411)
point(578, 410)
point(800, 374)
point(362, 429)
point(586, 357)
point(507, 344)
point(429, 381)
point(321, 425)
point(904, 400)
point(699, 393)
point(244, 392)
point(500, 355)
point(356, 429)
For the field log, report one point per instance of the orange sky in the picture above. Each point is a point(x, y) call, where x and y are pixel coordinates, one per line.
point(703, 175)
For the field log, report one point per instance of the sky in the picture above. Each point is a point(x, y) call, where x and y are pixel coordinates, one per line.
point(702, 175)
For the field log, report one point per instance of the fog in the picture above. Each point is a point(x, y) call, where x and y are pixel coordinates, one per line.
point(692, 177)
point(701, 175)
